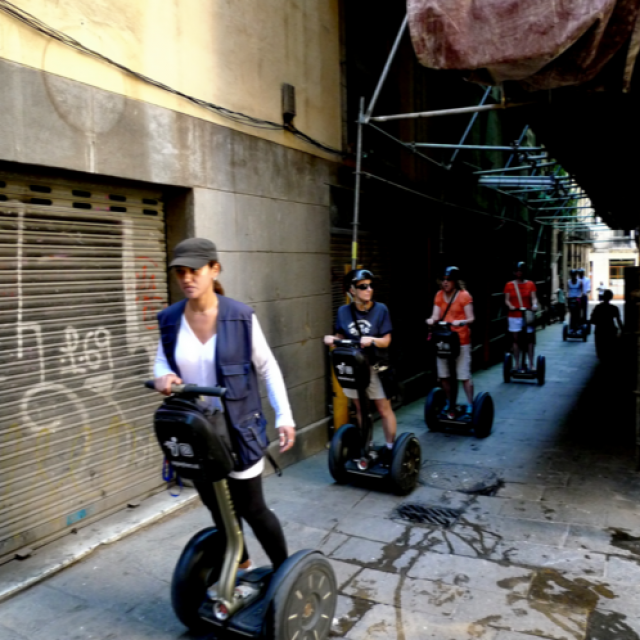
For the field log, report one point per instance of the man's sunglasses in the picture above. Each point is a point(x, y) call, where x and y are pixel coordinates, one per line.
point(363, 287)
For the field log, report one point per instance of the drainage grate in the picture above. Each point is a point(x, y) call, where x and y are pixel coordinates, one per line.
point(426, 514)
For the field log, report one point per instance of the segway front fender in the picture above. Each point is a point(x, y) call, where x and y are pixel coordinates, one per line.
point(197, 569)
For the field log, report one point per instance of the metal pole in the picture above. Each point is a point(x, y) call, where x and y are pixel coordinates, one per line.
point(450, 112)
point(385, 71)
point(356, 198)
point(506, 168)
point(474, 117)
point(514, 148)
point(579, 206)
point(518, 143)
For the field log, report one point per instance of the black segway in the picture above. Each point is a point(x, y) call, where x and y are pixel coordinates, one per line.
point(482, 415)
point(509, 372)
point(351, 453)
point(576, 329)
point(296, 601)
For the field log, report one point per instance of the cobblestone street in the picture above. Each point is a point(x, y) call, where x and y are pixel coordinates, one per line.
point(554, 553)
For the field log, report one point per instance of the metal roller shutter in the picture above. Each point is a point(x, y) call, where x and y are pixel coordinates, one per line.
point(82, 276)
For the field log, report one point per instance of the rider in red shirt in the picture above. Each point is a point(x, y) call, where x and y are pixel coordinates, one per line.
point(457, 303)
point(517, 325)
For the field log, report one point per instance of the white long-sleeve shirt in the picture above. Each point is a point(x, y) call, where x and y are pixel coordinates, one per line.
point(196, 362)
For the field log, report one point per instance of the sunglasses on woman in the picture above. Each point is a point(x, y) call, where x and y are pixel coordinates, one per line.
point(364, 287)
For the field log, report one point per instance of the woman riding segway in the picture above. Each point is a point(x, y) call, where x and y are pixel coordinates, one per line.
point(360, 363)
point(216, 344)
point(449, 323)
point(370, 323)
point(454, 305)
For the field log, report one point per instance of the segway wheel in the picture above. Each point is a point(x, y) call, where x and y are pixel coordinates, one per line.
point(482, 415)
point(507, 366)
point(405, 464)
point(541, 367)
point(433, 405)
point(565, 333)
point(305, 602)
point(198, 568)
point(345, 446)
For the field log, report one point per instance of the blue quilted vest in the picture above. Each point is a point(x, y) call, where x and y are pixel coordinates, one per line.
point(234, 370)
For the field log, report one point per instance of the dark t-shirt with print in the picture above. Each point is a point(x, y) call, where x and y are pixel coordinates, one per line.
point(374, 323)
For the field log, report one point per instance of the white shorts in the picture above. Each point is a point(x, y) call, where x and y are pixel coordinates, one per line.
point(374, 390)
point(463, 364)
point(515, 325)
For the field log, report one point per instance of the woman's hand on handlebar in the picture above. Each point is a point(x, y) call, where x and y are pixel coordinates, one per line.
point(287, 436)
point(163, 383)
point(328, 340)
point(366, 341)
point(429, 321)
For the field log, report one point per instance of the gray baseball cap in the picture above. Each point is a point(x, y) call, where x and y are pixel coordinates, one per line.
point(194, 253)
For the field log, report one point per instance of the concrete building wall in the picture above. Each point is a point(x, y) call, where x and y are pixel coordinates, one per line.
point(235, 54)
point(265, 205)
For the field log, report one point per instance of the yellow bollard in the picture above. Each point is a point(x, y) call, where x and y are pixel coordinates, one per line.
point(340, 403)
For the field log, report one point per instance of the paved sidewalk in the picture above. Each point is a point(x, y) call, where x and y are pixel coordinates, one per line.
point(554, 554)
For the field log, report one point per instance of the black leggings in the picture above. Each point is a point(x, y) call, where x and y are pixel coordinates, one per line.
point(249, 504)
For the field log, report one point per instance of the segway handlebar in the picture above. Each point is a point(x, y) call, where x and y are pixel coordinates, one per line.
point(191, 389)
point(344, 342)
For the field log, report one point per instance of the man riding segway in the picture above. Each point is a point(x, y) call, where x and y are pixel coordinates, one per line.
point(520, 297)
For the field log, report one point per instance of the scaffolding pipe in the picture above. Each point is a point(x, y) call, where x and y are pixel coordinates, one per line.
point(385, 71)
point(577, 206)
point(522, 168)
point(356, 199)
point(472, 121)
point(520, 181)
point(518, 143)
point(514, 148)
point(450, 112)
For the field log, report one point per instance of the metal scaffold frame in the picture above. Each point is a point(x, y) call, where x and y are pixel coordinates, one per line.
point(564, 189)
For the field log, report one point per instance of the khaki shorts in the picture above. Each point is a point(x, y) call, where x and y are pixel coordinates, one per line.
point(374, 390)
point(463, 364)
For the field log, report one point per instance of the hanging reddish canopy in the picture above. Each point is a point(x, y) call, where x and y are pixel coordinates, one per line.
point(542, 44)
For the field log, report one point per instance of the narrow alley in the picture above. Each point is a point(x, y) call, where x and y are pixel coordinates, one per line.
point(553, 553)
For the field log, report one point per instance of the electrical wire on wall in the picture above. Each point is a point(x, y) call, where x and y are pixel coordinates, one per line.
point(235, 116)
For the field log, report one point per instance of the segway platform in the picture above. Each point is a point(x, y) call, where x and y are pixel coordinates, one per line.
point(539, 375)
point(208, 593)
point(351, 454)
point(582, 333)
point(482, 415)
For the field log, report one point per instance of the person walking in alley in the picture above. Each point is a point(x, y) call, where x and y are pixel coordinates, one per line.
point(454, 304)
point(208, 339)
point(604, 318)
point(370, 323)
point(520, 298)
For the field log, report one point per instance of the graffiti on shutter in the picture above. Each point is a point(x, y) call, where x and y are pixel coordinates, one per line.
point(82, 276)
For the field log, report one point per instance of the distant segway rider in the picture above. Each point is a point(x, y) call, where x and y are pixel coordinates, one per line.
point(455, 305)
point(586, 292)
point(520, 293)
point(574, 298)
point(370, 322)
point(605, 317)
